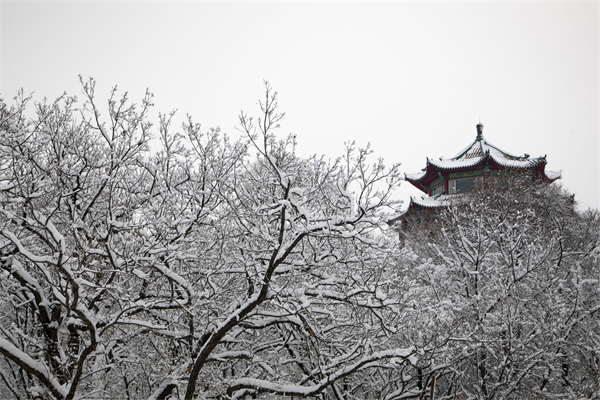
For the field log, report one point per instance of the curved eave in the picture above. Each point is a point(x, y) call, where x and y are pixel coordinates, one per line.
point(549, 176)
point(417, 179)
point(429, 202)
point(426, 202)
point(553, 175)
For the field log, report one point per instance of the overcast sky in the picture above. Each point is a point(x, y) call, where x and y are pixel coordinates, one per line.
point(413, 79)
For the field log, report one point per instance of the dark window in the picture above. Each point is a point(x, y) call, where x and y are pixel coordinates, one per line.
point(464, 185)
point(437, 190)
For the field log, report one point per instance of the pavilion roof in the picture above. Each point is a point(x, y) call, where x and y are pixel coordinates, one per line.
point(424, 201)
point(477, 152)
point(432, 202)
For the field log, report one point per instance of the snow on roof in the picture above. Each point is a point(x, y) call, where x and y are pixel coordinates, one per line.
point(553, 175)
point(416, 176)
point(432, 202)
point(478, 150)
point(427, 202)
point(474, 153)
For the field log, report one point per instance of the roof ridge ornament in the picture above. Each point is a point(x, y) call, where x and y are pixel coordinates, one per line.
point(479, 131)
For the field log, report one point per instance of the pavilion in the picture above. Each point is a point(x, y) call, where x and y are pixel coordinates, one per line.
point(444, 180)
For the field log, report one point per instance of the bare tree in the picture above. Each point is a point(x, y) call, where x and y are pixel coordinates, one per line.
point(509, 277)
point(204, 268)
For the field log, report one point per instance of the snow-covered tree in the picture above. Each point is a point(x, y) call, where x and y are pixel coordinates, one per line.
point(200, 267)
point(507, 282)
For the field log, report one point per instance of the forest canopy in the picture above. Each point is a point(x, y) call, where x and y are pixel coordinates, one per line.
point(203, 267)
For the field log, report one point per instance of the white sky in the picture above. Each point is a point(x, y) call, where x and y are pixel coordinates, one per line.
point(411, 78)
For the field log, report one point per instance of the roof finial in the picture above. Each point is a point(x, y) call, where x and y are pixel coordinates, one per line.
point(479, 130)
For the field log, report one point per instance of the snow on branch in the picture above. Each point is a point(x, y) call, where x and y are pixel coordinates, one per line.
point(290, 389)
point(33, 367)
